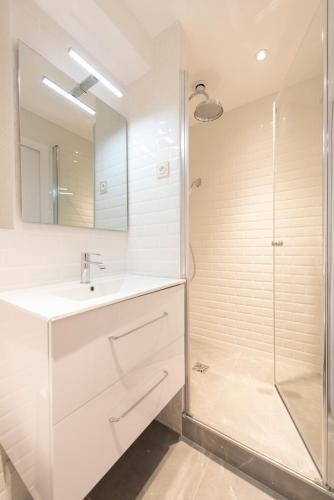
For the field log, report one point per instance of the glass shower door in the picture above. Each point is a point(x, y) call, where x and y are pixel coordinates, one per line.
point(298, 243)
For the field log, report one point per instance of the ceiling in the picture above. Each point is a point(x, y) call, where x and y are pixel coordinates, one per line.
point(223, 36)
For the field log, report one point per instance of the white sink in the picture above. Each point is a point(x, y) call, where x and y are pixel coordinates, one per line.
point(59, 300)
point(90, 291)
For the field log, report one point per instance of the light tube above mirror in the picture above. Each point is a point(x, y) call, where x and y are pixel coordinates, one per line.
point(72, 53)
point(52, 85)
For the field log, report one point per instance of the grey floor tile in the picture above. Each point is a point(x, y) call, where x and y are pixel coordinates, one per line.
point(134, 469)
point(159, 466)
point(223, 482)
point(237, 397)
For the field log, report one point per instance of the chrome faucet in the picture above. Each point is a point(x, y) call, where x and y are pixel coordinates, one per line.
point(86, 261)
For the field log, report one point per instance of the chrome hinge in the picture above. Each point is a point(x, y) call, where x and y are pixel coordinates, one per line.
point(277, 243)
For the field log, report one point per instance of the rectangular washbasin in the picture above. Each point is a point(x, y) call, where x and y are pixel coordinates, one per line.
point(60, 300)
point(91, 291)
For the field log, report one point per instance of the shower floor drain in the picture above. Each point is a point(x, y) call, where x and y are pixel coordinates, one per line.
point(200, 367)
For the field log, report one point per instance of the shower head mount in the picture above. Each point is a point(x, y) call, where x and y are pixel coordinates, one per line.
point(209, 109)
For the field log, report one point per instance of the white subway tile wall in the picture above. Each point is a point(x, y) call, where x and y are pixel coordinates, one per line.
point(299, 278)
point(110, 139)
point(76, 186)
point(231, 230)
point(299, 281)
point(154, 137)
point(231, 222)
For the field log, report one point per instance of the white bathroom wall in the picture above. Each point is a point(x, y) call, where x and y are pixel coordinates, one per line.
point(231, 228)
point(299, 277)
point(231, 222)
point(110, 142)
point(154, 138)
point(36, 254)
point(298, 266)
point(76, 188)
point(6, 132)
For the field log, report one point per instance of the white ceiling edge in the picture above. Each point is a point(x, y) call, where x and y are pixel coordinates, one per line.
point(128, 24)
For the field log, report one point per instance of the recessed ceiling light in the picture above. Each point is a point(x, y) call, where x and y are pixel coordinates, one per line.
point(80, 60)
point(52, 85)
point(261, 55)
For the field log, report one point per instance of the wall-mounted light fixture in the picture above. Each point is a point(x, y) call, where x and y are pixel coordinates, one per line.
point(94, 72)
point(52, 85)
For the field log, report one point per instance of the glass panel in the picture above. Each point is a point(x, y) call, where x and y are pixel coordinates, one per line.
point(298, 240)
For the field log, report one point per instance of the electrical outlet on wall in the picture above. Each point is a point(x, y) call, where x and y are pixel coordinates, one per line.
point(163, 170)
point(103, 187)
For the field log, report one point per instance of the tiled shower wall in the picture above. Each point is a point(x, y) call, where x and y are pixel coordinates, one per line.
point(231, 220)
point(299, 280)
point(231, 228)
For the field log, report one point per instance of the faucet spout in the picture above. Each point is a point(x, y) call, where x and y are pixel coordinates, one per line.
point(86, 262)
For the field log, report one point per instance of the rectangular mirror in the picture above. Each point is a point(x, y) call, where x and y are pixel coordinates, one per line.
point(73, 150)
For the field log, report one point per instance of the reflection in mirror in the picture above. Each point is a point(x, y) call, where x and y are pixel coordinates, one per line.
point(73, 150)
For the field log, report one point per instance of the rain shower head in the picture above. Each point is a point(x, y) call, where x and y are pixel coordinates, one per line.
point(209, 109)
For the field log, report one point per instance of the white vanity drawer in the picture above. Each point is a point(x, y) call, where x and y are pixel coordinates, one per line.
point(92, 350)
point(90, 441)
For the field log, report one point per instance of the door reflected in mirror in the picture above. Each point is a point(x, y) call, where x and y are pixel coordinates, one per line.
point(73, 150)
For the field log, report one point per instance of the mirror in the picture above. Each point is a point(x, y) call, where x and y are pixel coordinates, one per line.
point(73, 150)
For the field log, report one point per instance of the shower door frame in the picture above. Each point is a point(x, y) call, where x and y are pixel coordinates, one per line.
point(328, 261)
point(328, 141)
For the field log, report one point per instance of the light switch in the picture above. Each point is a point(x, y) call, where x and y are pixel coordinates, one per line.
point(163, 170)
point(103, 187)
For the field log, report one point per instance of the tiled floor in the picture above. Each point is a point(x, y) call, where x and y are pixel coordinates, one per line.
point(237, 397)
point(159, 466)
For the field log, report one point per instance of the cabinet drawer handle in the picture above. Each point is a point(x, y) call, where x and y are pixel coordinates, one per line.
point(117, 419)
point(116, 337)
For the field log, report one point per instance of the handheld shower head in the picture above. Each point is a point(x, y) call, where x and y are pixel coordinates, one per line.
point(196, 183)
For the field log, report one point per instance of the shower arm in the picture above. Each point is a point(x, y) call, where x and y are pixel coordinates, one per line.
point(199, 92)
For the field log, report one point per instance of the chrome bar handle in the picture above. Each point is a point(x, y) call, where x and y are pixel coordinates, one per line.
point(117, 337)
point(117, 419)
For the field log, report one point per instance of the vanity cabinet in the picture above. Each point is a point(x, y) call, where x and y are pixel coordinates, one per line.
point(86, 385)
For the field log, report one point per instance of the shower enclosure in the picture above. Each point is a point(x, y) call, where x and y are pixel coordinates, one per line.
point(260, 339)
